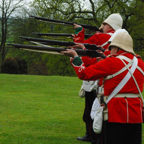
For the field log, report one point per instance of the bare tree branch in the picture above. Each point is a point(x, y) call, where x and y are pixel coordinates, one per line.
point(7, 8)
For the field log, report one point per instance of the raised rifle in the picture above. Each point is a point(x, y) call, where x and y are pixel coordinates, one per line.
point(94, 28)
point(60, 34)
point(62, 43)
point(80, 52)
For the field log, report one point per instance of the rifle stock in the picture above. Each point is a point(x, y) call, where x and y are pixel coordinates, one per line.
point(94, 28)
point(80, 52)
point(62, 43)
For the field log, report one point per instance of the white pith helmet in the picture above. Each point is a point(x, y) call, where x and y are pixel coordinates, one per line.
point(115, 33)
point(124, 41)
point(115, 21)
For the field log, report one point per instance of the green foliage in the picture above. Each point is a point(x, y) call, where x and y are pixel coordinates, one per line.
point(38, 69)
point(136, 26)
point(30, 58)
point(10, 66)
point(59, 65)
point(85, 12)
point(23, 26)
point(94, 13)
point(45, 64)
point(22, 65)
point(38, 63)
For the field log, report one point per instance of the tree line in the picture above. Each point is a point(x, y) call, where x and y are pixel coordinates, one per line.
point(92, 12)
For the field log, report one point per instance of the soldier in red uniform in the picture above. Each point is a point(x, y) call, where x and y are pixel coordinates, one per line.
point(125, 108)
point(109, 26)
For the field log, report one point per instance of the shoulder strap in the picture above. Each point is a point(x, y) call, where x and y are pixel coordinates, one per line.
point(110, 34)
point(127, 59)
point(106, 41)
point(124, 68)
point(124, 81)
point(135, 80)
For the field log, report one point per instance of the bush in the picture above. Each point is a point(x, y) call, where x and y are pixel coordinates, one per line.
point(22, 64)
point(38, 69)
point(10, 66)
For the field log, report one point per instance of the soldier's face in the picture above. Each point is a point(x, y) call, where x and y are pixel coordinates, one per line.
point(106, 28)
point(114, 50)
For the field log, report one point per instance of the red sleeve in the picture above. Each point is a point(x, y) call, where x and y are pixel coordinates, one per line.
point(107, 52)
point(88, 61)
point(93, 72)
point(97, 38)
point(80, 36)
point(107, 67)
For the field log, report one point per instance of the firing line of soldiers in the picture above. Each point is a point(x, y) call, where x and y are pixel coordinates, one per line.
point(112, 81)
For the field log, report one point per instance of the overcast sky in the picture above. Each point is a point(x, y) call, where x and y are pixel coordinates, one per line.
point(27, 3)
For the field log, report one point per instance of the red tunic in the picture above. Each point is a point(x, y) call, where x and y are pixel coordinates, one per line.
point(120, 110)
point(97, 39)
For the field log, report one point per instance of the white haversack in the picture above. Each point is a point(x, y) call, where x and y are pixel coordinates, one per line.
point(98, 120)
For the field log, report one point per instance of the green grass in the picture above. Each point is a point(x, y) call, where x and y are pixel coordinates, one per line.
point(40, 110)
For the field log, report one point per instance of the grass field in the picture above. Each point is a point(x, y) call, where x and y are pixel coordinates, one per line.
point(40, 110)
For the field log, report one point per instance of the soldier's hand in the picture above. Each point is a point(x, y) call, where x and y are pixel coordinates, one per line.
point(70, 53)
point(76, 25)
point(72, 36)
point(79, 46)
point(99, 58)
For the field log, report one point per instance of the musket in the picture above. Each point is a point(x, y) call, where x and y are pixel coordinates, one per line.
point(94, 28)
point(62, 43)
point(60, 34)
point(80, 52)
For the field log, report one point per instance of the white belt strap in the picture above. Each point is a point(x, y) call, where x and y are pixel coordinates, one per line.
point(117, 73)
point(124, 68)
point(124, 95)
point(135, 82)
point(140, 70)
point(100, 89)
point(124, 58)
point(124, 81)
point(129, 95)
point(104, 44)
point(107, 41)
point(129, 60)
point(110, 34)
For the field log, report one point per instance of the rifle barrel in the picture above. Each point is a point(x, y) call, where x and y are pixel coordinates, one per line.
point(62, 43)
point(94, 28)
point(83, 52)
point(80, 52)
point(53, 34)
point(60, 34)
point(38, 47)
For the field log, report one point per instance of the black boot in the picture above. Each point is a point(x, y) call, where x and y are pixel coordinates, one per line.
point(85, 138)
